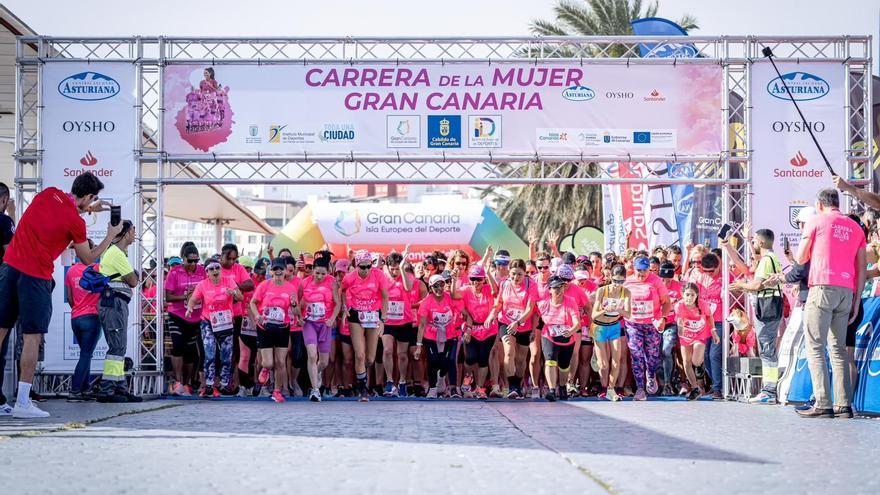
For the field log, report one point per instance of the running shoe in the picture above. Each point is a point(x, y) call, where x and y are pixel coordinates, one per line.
point(187, 391)
point(467, 383)
point(550, 396)
point(178, 389)
point(641, 395)
point(572, 389)
point(401, 389)
point(341, 392)
point(264, 376)
point(216, 393)
point(389, 389)
point(652, 384)
point(536, 393)
point(365, 395)
point(763, 399)
point(602, 396)
point(683, 391)
point(441, 384)
point(315, 395)
point(695, 394)
point(667, 391)
point(495, 393)
point(700, 372)
point(203, 392)
point(468, 395)
point(395, 392)
point(35, 397)
point(77, 397)
point(277, 397)
point(244, 391)
point(6, 410)
point(611, 395)
point(481, 394)
point(432, 393)
point(455, 393)
point(512, 394)
point(563, 393)
point(717, 395)
point(264, 392)
point(29, 410)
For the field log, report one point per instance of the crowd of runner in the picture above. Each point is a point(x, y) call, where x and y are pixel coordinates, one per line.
point(555, 326)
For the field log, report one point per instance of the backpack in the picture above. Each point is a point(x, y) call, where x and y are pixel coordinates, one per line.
point(93, 281)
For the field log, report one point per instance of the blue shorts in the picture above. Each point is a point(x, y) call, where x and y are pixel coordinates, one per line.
point(606, 333)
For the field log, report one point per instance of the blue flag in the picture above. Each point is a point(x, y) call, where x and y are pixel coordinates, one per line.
point(655, 26)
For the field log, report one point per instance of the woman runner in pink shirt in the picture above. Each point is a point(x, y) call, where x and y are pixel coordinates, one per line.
point(320, 303)
point(179, 286)
point(480, 333)
point(437, 333)
point(366, 296)
point(217, 295)
point(644, 327)
point(695, 327)
point(561, 317)
point(271, 309)
point(398, 334)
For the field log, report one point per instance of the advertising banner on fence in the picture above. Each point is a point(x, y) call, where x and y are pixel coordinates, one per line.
point(449, 109)
point(787, 169)
point(88, 125)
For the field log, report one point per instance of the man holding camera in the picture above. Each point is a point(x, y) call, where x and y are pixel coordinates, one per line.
point(49, 225)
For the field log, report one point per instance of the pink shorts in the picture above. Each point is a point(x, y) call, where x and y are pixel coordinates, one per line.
point(687, 338)
point(316, 333)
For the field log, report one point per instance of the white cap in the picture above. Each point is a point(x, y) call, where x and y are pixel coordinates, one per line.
point(805, 214)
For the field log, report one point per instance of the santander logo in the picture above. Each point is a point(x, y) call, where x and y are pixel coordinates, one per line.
point(88, 160)
point(799, 160)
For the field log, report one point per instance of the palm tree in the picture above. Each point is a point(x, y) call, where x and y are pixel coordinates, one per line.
point(560, 209)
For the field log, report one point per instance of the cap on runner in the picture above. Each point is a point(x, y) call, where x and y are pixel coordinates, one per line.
point(342, 265)
point(279, 263)
point(435, 279)
point(565, 272)
point(569, 258)
point(641, 263)
point(555, 282)
point(363, 257)
point(477, 271)
point(582, 275)
point(246, 261)
point(174, 260)
point(667, 270)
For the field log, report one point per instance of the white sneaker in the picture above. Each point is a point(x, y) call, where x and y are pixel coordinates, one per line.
point(6, 410)
point(536, 393)
point(244, 392)
point(30, 410)
point(611, 395)
point(652, 385)
point(315, 395)
point(265, 392)
point(432, 393)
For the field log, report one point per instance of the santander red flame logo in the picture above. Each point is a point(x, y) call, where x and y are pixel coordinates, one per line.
point(799, 160)
point(655, 93)
point(88, 160)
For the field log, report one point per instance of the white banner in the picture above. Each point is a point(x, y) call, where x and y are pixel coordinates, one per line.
point(787, 169)
point(449, 109)
point(612, 210)
point(419, 223)
point(88, 124)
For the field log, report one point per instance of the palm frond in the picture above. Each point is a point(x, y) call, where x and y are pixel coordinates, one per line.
point(688, 22)
point(578, 18)
point(652, 10)
point(547, 28)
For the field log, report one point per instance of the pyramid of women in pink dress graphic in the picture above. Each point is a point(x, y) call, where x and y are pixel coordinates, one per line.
point(206, 119)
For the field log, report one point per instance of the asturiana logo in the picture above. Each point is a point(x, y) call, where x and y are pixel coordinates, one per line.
point(803, 86)
point(88, 86)
point(578, 93)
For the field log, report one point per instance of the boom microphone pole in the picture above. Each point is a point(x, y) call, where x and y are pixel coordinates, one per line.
point(767, 52)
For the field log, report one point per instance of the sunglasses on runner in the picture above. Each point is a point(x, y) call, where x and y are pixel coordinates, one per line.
point(191, 261)
point(364, 267)
point(618, 281)
point(461, 263)
point(543, 267)
point(309, 267)
point(477, 279)
point(439, 285)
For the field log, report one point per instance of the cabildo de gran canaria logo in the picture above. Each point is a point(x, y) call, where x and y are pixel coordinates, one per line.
point(803, 86)
point(88, 86)
point(348, 223)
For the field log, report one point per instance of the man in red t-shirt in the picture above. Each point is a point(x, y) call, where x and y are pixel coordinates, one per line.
point(49, 225)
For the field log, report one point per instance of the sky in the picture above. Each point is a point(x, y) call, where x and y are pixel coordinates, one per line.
point(419, 18)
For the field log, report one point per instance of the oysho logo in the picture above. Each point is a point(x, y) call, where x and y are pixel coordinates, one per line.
point(797, 126)
point(803, 86)
point(578, 93)
point(88, 126)
point(620, 95)
point(88, 86)
point(655, 96)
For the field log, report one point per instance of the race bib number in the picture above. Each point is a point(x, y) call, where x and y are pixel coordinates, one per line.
point(369, 319)
point(316, 311)
point(557, 330)
point(248, 327)
point(274, 315)
point(221, 321)
point(643, 309)
point(395, 310)
point(611, 306)
point(694, 325)
point(441, 319)
point(514, 314)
